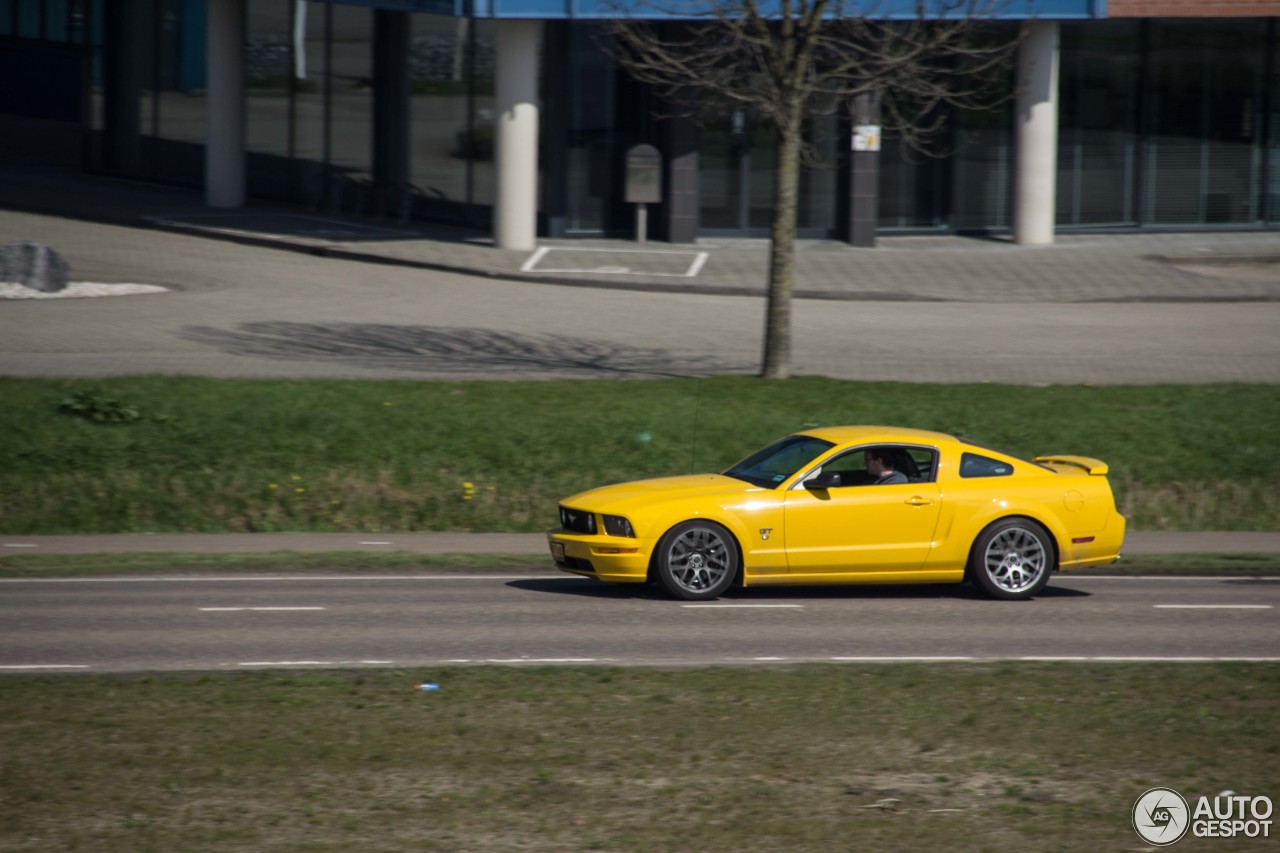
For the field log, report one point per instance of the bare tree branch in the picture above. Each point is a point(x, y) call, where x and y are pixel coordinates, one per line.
point(806, 57)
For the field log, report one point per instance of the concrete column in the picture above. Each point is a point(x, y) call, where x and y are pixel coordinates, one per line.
point(683, 196)
point(515, 212)
point(224, 156)
point(1036, 145)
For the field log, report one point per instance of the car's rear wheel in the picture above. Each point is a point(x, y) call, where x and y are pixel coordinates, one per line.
point(697, 560)
point(1012, 559)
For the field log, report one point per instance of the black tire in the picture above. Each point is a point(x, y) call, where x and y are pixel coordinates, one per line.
point(697, 560)
point(1012, 559)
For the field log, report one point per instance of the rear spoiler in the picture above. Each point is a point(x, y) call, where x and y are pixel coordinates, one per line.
point(1096, 467)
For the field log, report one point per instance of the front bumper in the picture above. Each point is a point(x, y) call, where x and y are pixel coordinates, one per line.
point(615, 559)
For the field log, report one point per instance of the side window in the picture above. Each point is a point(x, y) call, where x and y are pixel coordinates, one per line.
point(973, 465)
point(926, 471)
point(852, 468)
point(916, 463)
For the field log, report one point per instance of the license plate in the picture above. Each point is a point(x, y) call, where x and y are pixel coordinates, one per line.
point(557, 551)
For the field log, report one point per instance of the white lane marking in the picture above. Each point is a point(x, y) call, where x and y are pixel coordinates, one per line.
point(1084, 659)
point(286, 663)
point(732, 606)
point(540, 660)
point(227, 610)
point(768, 659)
point(1052, 658)
point(1246, 577)
point(20, 545)
point(291, 578)
point(315, 662)
point(375, 543)
point(46, 666)
point(1212, 606)
point(1152, 659)
point(919, 658)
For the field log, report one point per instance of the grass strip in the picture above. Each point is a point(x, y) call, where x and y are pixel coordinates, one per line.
point(403, 562)
point(992, 757)
point(172, 454)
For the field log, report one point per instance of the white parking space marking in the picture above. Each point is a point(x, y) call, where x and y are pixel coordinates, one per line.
point(1212, 606)
point(696, 261)
point(231, 610)
point(535, 258)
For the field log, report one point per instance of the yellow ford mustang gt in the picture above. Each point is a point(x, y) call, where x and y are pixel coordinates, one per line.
point(853, 504)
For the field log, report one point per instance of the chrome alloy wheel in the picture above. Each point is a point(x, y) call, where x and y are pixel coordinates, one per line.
point(698, 560)
point(1015, 559)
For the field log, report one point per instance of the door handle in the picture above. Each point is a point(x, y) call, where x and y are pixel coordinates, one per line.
point(919, 501)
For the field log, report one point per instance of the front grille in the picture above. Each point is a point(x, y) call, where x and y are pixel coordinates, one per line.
point(577, 521)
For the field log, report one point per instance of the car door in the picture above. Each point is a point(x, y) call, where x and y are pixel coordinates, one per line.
point(862, 528)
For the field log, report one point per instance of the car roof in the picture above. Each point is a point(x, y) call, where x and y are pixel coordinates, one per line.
point(878, 435)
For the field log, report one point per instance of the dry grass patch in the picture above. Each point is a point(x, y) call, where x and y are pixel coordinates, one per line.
point(1002, 757)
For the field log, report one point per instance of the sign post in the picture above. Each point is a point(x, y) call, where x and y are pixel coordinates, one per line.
point(643, 184)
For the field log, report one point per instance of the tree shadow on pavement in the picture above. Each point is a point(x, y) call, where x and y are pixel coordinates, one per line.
point(377, 346)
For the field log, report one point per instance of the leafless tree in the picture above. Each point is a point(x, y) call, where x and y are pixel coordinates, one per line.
point(795, 58)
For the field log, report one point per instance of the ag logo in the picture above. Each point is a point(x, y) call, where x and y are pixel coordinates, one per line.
point(1161, 816)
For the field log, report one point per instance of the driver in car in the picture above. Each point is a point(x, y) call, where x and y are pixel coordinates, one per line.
point(880, 466)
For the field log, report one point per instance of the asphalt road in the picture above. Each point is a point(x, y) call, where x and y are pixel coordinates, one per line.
point(223, 623)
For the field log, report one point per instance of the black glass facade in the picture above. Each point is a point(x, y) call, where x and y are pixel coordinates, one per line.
point(310, 105)
point(1163, 123)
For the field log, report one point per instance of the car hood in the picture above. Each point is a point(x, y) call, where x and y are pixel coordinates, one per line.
point(622, 498)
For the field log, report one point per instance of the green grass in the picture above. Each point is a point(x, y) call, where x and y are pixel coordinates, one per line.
point(251, 455)
point(992, 757)
point(59, 565)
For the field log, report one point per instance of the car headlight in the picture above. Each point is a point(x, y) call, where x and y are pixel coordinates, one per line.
point(616, 525)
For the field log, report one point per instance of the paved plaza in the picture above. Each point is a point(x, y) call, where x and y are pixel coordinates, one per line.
point(276, 291)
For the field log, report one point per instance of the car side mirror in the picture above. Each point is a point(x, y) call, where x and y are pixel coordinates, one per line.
point(824, 480)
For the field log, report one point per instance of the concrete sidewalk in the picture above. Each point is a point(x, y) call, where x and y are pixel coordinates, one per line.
point(1139, 267)
point(1207, 542)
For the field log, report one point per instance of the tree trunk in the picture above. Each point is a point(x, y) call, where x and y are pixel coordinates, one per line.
point(782, 252)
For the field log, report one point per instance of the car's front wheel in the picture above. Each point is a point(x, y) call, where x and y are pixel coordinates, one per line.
point(697, 560)
point(1012, 559)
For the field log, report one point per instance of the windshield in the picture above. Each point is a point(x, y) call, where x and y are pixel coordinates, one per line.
point(779, 461)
